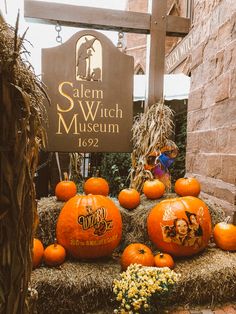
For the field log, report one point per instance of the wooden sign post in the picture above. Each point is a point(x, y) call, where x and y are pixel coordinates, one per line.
point(158, 24)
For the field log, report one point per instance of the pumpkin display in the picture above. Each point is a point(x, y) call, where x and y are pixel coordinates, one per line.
point(164, 260)
point(89, 226)
point(96, 186)
point(38, 250)
point(225, 235)
point(187, 187)
point(153, 189)
point(54, 255)
point(180, 226)
point(65, 189)
point(129, 198)
point(137, 253)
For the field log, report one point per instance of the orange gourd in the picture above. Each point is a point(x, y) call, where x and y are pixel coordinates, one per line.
point(54, 255)
point(225, 235)
point(65, 189)
point(89, 226)
point(180, 226)
point(38, 250)
point(96, 186)
point(187, 187)
point(153, 189)
point(129, 198)
point(164, 260)
point(137, 253)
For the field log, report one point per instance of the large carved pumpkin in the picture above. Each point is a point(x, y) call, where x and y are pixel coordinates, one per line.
point(180, 226)
point(89, 226)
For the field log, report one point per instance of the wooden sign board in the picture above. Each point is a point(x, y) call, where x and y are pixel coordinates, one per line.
point(90, 84)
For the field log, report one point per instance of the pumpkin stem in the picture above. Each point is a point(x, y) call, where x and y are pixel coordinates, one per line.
point(65, 174)
point(141, 251)
point(234, 218)
point(227, 219)
point(55, 242)
point(161, 255)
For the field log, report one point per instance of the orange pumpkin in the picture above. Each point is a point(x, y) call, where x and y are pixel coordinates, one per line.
point(153, 189)
point(137, 253)
point(187, 187)
point(180, 226)
point(54, 255)
point(164, 260)
point(129, 198)
point(225, 235)
point(65, 189)
point(96, 186)
point(89, 226)
point(38, 250)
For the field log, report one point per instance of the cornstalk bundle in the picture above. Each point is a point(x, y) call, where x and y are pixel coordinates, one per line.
point(21, 134)
point(151, 131)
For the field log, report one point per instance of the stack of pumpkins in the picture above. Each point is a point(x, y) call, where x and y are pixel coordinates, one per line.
point(90, 225)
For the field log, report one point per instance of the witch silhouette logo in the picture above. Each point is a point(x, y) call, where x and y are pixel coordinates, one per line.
point(88, 59)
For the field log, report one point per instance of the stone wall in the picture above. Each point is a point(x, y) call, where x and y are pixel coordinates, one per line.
point(211, 130)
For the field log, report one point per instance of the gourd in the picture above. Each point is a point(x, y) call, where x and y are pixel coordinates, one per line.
point(96, 186)
point(129, 198)
point(187, 187)
point(153, 189)
point(225, 234)
point(164, 260)
point(137, 253)
point(54, 255)
point(180, 226)
point(65, 189)
point(89, 226)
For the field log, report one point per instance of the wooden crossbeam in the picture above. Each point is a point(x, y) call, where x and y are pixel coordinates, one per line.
point(99, 18)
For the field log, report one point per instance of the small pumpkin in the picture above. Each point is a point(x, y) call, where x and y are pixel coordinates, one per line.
point(180, 226)
point(129, 198)
point(96, 186)
point(164, 260)
point(89, 226)
point(54, 255)
point(187, 187)
point(225, 235)
point(65, 189)
point(153, 189)
point(38, 251)
point(137, 253)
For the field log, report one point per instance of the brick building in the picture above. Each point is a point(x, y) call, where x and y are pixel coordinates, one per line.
point(208, 55)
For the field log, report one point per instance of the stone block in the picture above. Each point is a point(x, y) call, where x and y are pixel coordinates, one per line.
point(226, 140)
point(230, 56)
point(223, 114)
point(232, 83)
point(199, 119)
point(195, 99)
point(229, 168)
point(197, 56)
point(193, 142)
point(207, 141)
point(223, 87)
point(214, 165)
point(209, 94)
point(225, 34)
point(220, 59)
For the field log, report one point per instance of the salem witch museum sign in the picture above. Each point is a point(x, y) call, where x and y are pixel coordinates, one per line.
point(90, 84)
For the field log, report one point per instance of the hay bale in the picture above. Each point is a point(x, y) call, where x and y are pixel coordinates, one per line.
point(80, 287)
point(134, 222)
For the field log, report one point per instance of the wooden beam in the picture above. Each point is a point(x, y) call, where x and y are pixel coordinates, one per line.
point(97, 18)
point(157, 51)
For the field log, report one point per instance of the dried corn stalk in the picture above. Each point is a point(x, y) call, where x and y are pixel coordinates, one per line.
point(21, 133)
point(151, 131)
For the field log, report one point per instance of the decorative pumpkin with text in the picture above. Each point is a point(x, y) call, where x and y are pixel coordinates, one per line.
point(225, 235)
point(96, 186)
point(54, 255)
point(65, 189)
point(129, 198)
point(137, 253)
point(38, 250)
point(89, 226)
point(187, 187)
point(180, 226)
point(164, 260)
point(153, 189)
